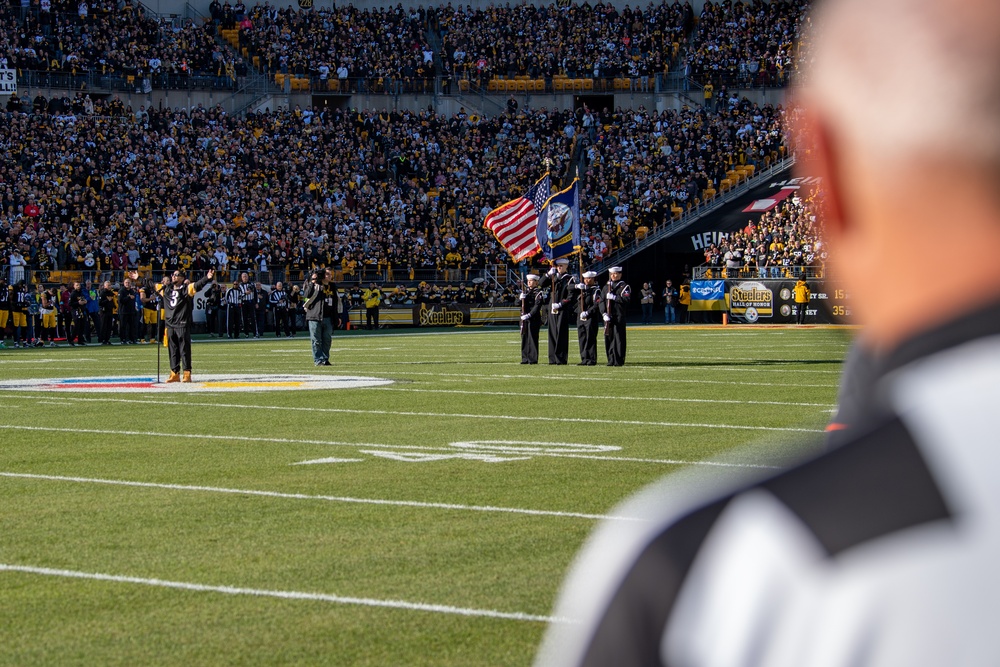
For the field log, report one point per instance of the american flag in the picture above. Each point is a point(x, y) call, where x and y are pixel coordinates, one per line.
point(515, 223)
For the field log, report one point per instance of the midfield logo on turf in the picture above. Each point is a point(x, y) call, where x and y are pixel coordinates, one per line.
point(202, 383)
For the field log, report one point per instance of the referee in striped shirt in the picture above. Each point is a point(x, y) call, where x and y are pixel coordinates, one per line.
point(884, 550)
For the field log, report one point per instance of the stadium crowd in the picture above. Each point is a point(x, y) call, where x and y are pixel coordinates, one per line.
point(67, 40)
point(785, 243)
point(396, 50)
point(746, 44)
point(584, 41)
point(397, 195)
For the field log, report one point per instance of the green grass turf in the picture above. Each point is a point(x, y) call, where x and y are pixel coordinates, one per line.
point(744, 396)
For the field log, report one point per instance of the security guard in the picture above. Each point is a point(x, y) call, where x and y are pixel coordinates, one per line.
point(684, 301)
point(372, 298)
point(531, 320)
point(802, 296)
point(588, 321)
point(562, 302)
point(614, 309)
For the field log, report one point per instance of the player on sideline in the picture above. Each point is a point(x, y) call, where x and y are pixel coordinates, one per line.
point(883, 550)
point(178, 303)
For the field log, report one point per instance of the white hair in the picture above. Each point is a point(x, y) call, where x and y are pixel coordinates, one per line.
point(912, 78)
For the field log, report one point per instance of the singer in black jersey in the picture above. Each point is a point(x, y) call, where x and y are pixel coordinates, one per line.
point(178, 303)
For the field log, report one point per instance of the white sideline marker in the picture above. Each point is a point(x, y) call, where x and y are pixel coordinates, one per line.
point(285, 595)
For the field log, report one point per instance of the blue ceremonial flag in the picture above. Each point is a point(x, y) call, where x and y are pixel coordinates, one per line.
point(559, 223)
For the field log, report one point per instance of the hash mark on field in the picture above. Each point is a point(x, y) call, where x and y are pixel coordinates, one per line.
point(336, 499)
point(286, 595)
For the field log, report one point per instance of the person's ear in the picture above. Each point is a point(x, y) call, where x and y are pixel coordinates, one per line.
point(819, 156)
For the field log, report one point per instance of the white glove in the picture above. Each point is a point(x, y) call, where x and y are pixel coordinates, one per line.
point(553, 271)
point(583, 316)
point(607, 318)
point(522, 296)
point(581, 286)
point(612, 297)
point(556, 306)
point(524, 318)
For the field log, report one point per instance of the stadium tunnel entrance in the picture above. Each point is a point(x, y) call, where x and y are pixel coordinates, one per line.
point(330, 101)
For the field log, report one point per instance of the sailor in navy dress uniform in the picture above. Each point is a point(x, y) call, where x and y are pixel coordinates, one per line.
point(562, 304)
point(589, 318)
point(614, 310)
point(531, 320)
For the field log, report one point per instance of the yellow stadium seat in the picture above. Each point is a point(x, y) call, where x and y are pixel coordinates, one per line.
point(725, 184)
point(463, 85)
point(676, 212)
point(493, 85)
point(558, 85)
point(750, 169)
point(620, 84)
point(333, 85)
point(521, 86)
point(588, 85)
point(279, 79)
point(539, 85)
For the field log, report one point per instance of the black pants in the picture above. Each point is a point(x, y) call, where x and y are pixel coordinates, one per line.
point(586, 333)
point(559, 337)
point(130, 327)
point(234, 316)
point(81, 327)
point(282, 322)
point(371, 318)
point(529, 341)
point(106, 318)
point(800, 313)
point(249, 319)
point(179, 348)
point(614, 343)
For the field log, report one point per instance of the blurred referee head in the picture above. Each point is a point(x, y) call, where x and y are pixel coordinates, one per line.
point(899, 114)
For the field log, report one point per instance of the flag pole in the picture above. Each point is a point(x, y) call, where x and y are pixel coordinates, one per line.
point(156, 341)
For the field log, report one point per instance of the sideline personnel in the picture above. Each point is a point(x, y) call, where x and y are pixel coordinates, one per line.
point(883, 550)
point(178, 303)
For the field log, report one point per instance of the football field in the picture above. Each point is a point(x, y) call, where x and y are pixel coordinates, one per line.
point(420, 510)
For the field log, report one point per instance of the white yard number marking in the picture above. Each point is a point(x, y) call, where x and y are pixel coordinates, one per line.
point(487, 451)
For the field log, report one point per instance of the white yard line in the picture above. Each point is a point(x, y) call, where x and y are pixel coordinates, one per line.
point(286, 595)
point(335, 499)
point(359, 445)
point(591, 397)
point(414, 413)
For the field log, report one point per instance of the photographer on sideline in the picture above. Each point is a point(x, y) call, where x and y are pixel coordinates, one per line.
point(320, 303)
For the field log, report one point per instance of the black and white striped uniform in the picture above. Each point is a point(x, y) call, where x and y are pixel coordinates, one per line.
point(234, 316)
point(882, 551)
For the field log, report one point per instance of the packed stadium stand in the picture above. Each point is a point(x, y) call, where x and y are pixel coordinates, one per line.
point(94, 183)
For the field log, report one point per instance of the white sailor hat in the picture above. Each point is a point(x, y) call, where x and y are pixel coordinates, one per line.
point(590, 274)
point(615, 269)
point(532, 276)
point(562, 262)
